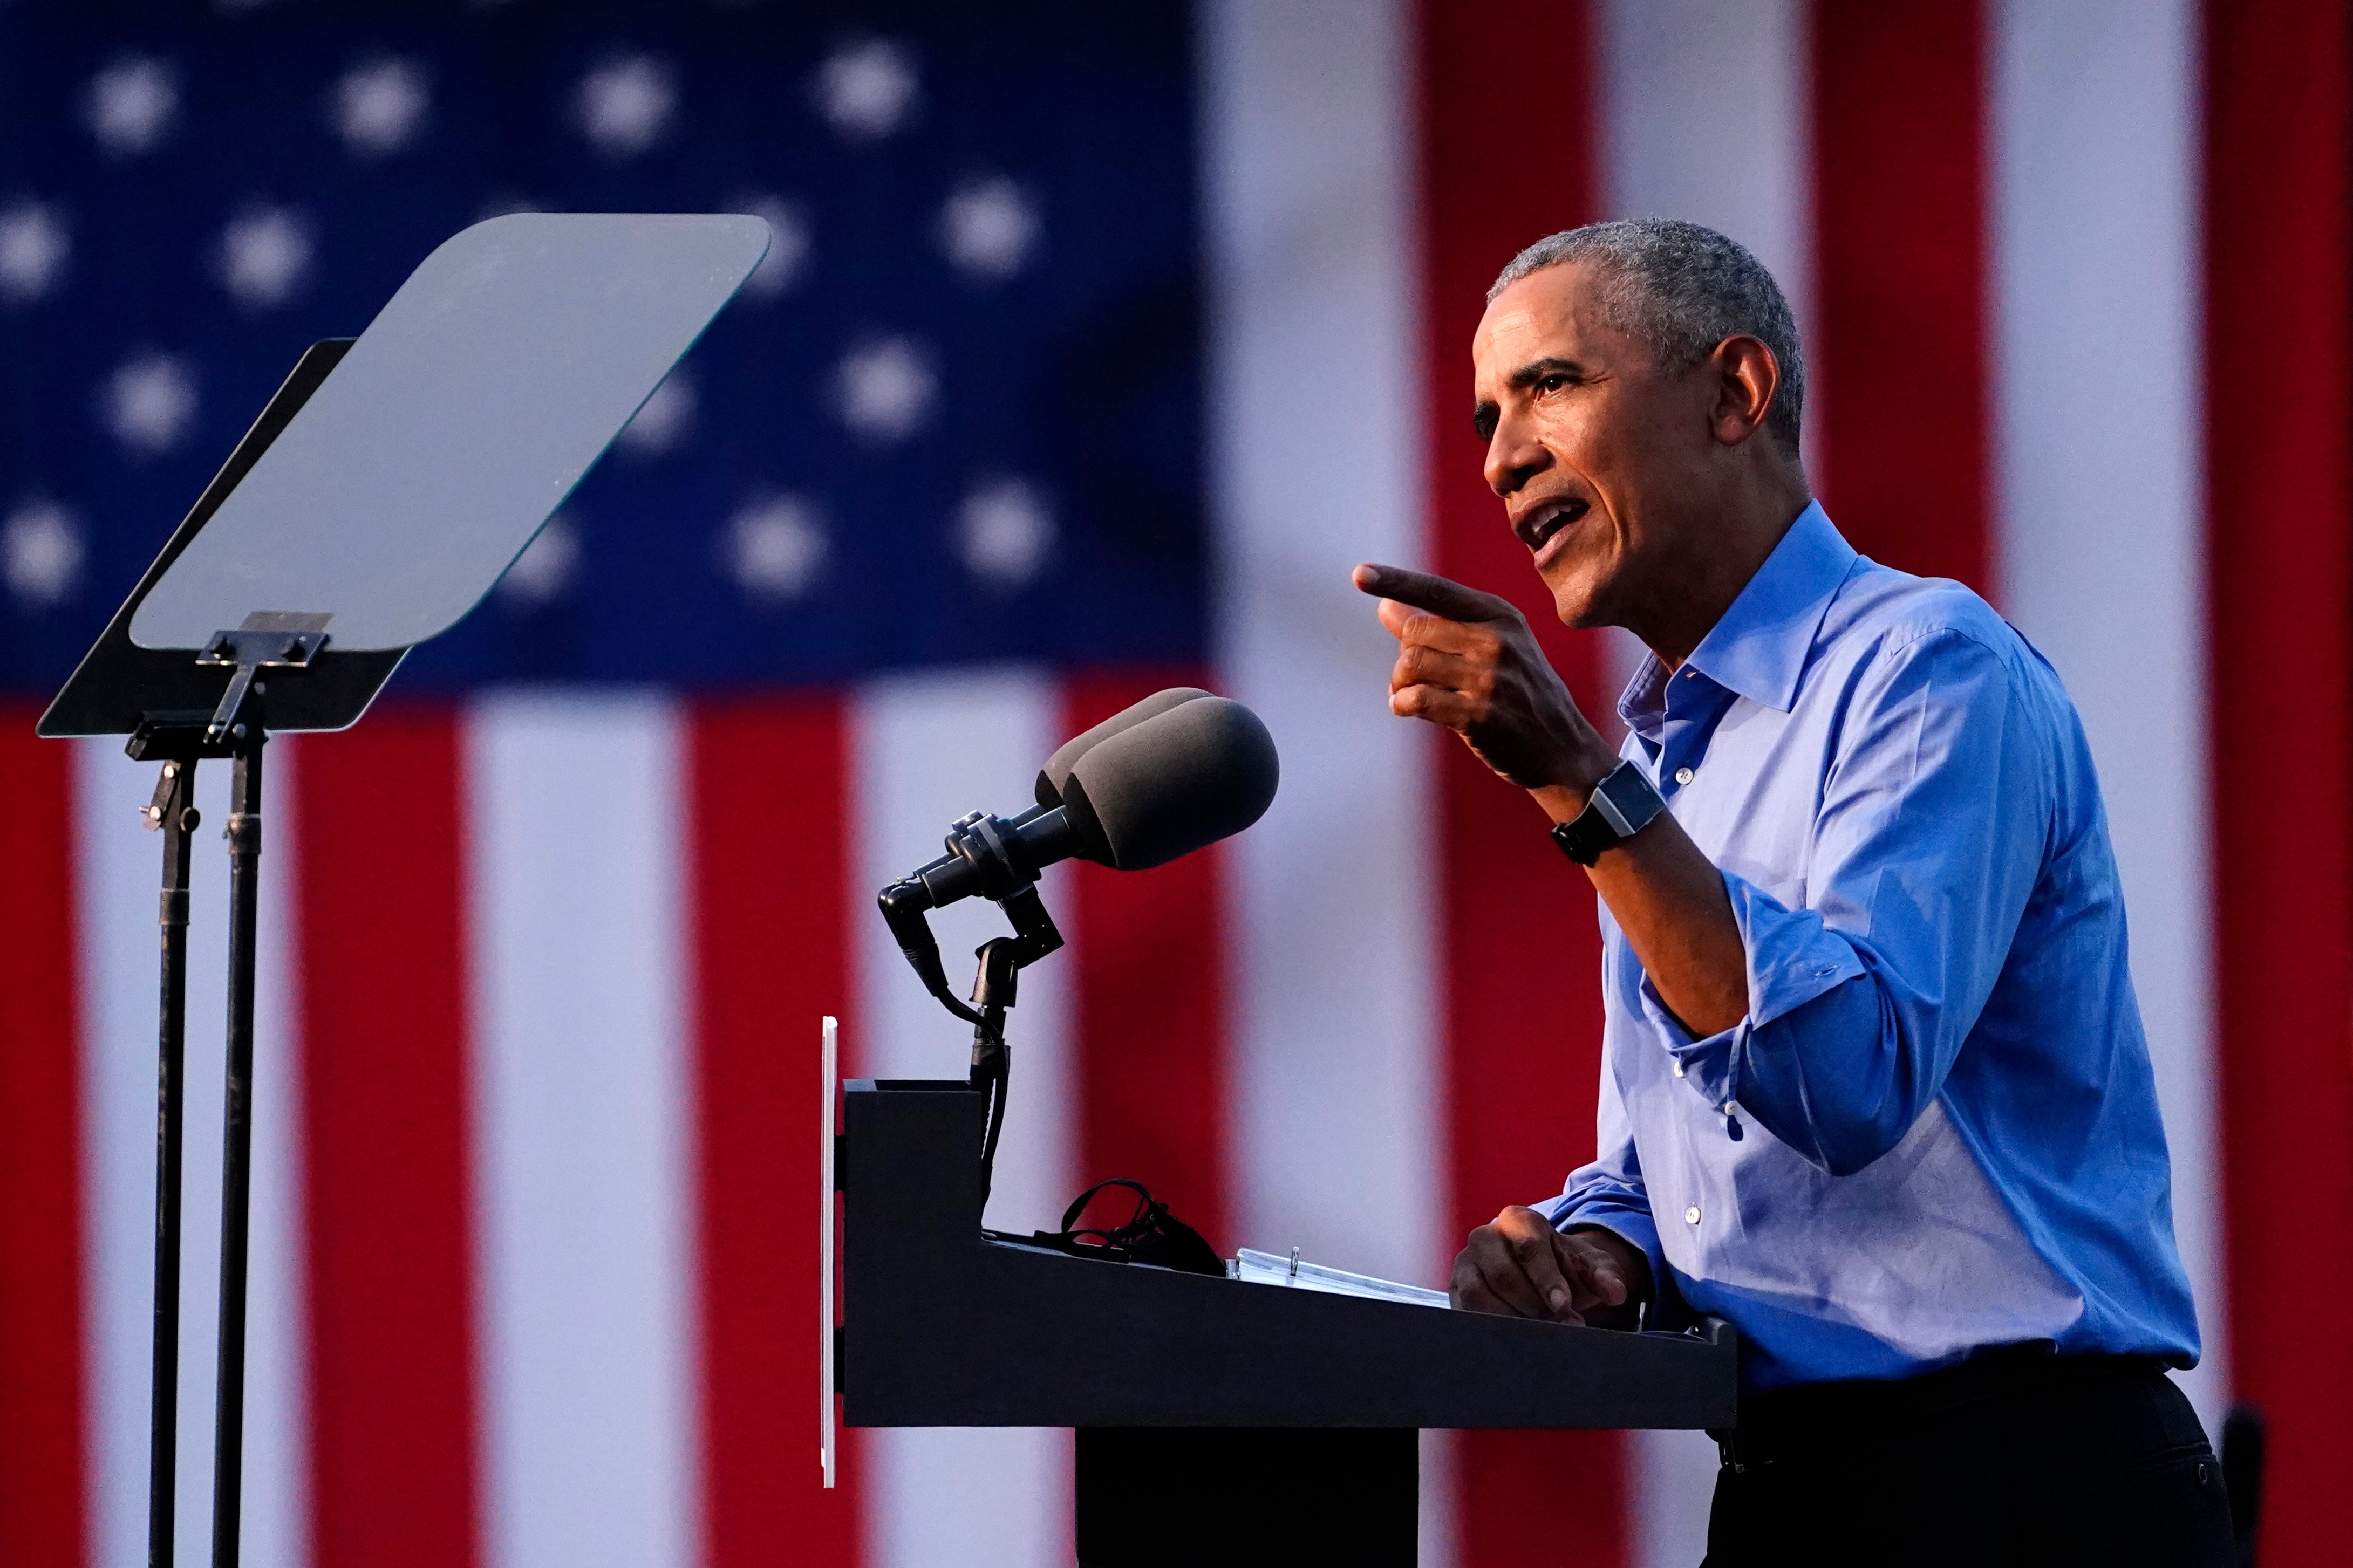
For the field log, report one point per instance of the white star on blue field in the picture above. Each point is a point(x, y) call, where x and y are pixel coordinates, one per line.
point(953, 418)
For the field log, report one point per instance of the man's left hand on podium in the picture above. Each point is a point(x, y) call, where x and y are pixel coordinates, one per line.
point(1520, 1266)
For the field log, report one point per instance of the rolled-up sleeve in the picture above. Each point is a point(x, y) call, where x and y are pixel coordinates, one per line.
point(1922, 853)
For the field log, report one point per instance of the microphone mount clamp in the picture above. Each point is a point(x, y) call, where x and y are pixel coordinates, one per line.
point(993, 858)
point(996, 858)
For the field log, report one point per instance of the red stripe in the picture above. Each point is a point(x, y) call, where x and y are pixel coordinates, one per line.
point(2279, 348)
point(41, 1443)
point(1522, 957)
point(1151, 1006)
point(769, 894)
point(380, 982)
point(1899, 327)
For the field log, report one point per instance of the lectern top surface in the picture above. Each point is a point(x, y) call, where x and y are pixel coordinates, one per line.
point(455, 426)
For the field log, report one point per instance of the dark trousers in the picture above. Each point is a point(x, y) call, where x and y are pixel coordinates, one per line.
point(2010, 1460)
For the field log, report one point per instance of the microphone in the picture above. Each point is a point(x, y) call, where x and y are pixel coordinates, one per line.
point(1057, 771)
point(1168, 775)
point(1139, 795)
point(1177, 771)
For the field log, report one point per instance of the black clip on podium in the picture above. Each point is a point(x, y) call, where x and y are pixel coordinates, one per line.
point(385, 488)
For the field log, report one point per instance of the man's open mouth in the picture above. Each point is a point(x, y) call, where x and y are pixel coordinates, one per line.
point(1537, 528)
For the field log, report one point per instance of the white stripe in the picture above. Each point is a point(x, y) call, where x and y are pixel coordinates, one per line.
point(1316, 439)
point(1315, 434)
point(581, 1141)
point(277, 1382)
point(1705, 117)
point(1706, 106)
point(925, 749)
point(2095, 206)
point(117, 865)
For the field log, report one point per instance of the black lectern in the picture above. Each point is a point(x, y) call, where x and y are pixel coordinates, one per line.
point(1203, 1405)
point(387, 485)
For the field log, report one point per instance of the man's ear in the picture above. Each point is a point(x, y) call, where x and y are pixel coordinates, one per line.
point(1748, 379)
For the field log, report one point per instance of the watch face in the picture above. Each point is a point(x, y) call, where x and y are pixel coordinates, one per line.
point(1622, 804)
point(1636, 798)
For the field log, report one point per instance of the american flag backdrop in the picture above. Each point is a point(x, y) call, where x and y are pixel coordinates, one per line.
point(1096, 344)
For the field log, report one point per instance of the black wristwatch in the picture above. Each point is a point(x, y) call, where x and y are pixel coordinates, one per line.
point(1621, 806)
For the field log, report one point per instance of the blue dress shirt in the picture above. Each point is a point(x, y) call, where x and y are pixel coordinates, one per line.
point(1936, 1130)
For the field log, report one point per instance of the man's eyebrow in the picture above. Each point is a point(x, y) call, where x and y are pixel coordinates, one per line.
point(1536, 370)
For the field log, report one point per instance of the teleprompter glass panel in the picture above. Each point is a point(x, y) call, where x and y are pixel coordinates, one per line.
point(455, 426)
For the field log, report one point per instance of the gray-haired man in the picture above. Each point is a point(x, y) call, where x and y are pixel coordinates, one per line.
point(1873, 1083)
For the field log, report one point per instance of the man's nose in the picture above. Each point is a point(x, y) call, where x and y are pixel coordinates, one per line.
point(1514, 458)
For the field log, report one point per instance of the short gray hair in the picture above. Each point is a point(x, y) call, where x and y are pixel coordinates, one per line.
point(1682, 289)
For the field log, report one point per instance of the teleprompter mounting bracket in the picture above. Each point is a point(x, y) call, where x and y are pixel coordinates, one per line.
point(270, 640)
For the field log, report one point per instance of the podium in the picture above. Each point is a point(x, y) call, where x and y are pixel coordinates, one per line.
point(1203, 1405)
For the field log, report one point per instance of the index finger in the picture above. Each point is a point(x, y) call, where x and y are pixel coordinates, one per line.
point(1424, 591)
point(1596, 1273)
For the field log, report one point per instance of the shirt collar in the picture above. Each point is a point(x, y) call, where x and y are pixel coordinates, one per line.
point(1759, 645)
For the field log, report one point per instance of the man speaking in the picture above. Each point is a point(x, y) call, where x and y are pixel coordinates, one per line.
point(1873, 1085)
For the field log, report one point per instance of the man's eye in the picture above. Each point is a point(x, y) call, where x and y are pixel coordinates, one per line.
point(1552, 383)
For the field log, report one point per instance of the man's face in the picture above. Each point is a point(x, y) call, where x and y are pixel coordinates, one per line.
point(1596, 453)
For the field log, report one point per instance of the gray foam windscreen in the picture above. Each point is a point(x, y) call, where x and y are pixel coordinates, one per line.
point(1197, 771)
point(1057, 771)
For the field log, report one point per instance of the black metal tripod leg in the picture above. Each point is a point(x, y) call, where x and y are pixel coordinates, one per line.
point(174, 811)
point(236, 1154)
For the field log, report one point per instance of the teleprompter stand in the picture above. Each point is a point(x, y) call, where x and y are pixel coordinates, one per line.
point(386, 487)
point(234, 731)
point(1218, 1420)
point(182, 708)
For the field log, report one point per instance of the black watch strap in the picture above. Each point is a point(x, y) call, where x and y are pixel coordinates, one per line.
point(1622, 806)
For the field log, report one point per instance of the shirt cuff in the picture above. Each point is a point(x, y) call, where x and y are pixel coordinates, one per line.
point(1793, 957)
point(1710, 1064)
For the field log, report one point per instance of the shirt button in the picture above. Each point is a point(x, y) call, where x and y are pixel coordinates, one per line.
point(1691, 1215)
point(1683, 775)
point(1679, 1067)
